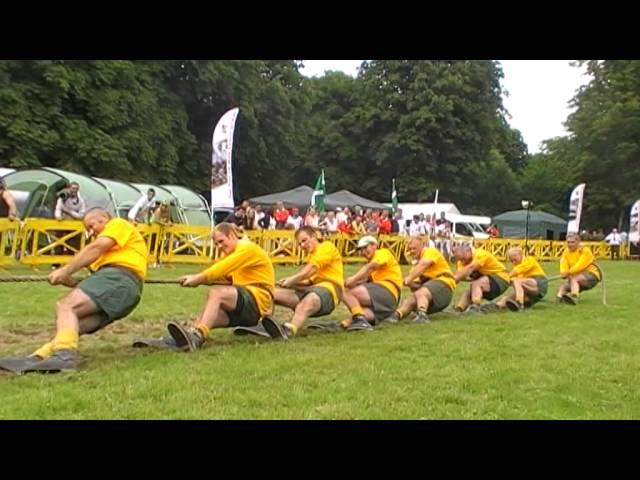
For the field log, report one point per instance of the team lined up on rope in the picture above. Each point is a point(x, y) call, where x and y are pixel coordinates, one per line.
point(246, 291)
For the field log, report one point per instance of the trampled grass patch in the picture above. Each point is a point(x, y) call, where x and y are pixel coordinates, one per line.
point(551, 362)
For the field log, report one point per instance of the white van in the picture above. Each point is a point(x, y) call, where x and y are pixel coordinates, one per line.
point(467, 227)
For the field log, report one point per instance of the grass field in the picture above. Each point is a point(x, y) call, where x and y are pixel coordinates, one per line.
point(552, 362)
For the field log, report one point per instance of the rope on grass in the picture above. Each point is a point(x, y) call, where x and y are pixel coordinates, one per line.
point(38, 278)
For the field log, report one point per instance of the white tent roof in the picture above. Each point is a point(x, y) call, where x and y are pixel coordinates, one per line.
point(6, 171)
point(411, 209)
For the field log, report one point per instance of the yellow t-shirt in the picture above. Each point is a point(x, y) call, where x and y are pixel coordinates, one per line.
point(581, 260)
point(487, 264)
point(389, 274)
point(130, 250)
point(529, 267)
point(327, 259)
point(247, 266)
point(439, 269)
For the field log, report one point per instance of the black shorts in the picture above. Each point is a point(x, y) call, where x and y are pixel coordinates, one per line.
point(497, 286)
point(590, 282)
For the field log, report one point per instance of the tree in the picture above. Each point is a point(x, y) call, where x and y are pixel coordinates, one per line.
point(425, 123)
point(550, 175)
point(605, 130)
point(104, 118)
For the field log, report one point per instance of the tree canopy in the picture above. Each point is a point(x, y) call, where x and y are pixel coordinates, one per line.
point(429, 124)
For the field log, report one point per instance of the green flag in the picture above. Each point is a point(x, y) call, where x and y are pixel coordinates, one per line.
point(394, 196)
point(317, 199)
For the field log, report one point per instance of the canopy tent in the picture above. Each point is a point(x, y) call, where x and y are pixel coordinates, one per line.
point(124, 195)
point(6, 171)
point(42, 185)
point(194, 207)
point(296, 197)
point(543, 225)
point(411, 209)
point(36, 190)
point(345, 198)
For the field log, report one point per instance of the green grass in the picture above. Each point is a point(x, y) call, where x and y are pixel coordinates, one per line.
point(552, 362)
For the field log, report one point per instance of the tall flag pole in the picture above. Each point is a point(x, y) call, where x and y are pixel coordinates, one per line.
point(394, 196)
point(634, 223)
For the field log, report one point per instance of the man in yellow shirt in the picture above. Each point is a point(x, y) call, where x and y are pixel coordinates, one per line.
point(489, 277)
point(118, 256)
point(529, 281)
point(578, 267)
point(372, 293)
point(431, 281)
point(248, 298)
point(314, 291)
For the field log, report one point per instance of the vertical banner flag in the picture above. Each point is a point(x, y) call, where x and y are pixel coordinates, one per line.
point(575, 209)
point(317, 198)
point(221, 178)
point(634, 223)
point(394, 196)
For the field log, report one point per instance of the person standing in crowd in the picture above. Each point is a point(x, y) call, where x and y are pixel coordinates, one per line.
point(384, 223)
point(281, 215)
point(143, 208)
point(7, 202)
point(614, 239)
point(294, 222)
point(70, 205)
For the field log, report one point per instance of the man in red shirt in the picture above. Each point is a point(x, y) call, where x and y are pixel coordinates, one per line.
point(281, 215)
point(384, 223)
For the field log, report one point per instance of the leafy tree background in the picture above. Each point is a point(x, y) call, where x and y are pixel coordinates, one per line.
point(430, 124)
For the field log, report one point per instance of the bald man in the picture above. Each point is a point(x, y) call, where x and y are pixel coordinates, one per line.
point(528, 279)
point(489, 277)
point(118, 258)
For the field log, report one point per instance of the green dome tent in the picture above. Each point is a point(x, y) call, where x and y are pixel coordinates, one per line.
point(194, 207)
point(41, 186)
point(542, 225)
point(124, 195)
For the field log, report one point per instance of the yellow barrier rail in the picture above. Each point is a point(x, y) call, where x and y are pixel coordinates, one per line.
point(44, 241)
point(279, 244)
point(9, 235)
point(186, 244)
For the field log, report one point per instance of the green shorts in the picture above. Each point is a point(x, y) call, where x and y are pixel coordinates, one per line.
point(327, 304)
point(246, 313)
point(441, 295)
point(590, 281)
point(383, 303)
point(497, 286)
point(116, 291)
point(543, 285)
